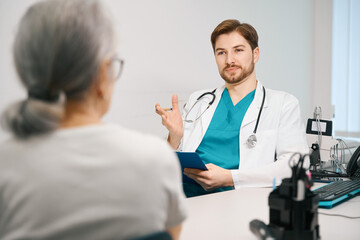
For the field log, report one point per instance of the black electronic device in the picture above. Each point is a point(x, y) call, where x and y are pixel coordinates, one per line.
point(261, 230)
point(339, 191)
point(315, 156)
point(353, 167)
point(316, 126)
point(293, 209)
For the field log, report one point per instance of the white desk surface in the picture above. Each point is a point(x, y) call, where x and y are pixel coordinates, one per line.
point(226, 216)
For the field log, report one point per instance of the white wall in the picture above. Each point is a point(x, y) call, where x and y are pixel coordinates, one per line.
point(321, 90)
point(167, 50)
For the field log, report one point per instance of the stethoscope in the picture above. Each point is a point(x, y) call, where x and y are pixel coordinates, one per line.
point(252, 139)
point(211, 95)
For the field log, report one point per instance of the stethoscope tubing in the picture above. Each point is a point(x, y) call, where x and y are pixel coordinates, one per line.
point(259, 114)
point(252, 140)
point(198, 99)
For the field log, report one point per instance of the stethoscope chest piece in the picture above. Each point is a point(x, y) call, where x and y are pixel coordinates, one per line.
point(251, 141)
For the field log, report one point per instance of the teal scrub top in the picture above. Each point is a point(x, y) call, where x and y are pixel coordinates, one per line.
point(220, 145)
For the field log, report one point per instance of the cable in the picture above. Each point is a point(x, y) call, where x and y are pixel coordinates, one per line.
point(337, 154)
point(339, 158)
point(327, 171)
point(342, 162)
point(338, 215)
point(317, 116)
point(347, 147)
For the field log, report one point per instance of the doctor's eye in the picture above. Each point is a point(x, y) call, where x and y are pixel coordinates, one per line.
point(239, 50)
point(220, 53)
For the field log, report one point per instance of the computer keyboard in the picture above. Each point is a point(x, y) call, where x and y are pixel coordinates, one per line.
point(337, 192)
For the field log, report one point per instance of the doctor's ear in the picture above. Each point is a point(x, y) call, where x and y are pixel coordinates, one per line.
point(256, 54)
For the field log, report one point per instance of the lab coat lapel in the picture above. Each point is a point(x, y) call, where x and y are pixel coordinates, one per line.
point(253, 111)
point(208, 114)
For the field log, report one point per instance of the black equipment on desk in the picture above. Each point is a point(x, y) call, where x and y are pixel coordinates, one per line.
point(293, 209)
point(315, 126)
point(315, 159)
point(353, 167)
point(339, 191)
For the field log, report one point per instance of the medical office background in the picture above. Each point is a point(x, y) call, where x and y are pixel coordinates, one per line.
point(309, 48)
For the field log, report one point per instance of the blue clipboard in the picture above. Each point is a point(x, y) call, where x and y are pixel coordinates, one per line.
point(190, 160)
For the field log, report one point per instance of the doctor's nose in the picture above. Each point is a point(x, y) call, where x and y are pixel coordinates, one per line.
point(230, 58)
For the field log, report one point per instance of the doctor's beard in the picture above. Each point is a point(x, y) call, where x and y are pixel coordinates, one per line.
point(232, 79)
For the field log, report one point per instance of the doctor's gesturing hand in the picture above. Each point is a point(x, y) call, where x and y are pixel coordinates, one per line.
point(172, 120)
point(214, 178)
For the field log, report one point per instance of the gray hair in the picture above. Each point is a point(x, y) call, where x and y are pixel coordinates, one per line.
point(57, 52)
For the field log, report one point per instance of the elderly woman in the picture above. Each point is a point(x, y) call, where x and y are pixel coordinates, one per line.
point(65, 174)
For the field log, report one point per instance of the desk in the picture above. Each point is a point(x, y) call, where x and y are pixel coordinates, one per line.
point(226, 216)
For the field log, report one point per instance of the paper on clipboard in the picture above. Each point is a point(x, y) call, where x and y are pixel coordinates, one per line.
point(190, 160)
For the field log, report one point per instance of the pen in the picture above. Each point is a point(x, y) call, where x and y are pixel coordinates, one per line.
point(165, 109)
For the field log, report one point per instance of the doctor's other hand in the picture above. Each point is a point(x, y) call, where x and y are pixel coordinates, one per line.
point(215, 177)
point(172, 121)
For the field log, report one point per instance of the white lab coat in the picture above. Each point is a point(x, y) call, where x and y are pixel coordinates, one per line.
point(280, 130)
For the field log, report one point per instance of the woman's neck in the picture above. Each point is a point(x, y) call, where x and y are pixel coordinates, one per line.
point(79, 114)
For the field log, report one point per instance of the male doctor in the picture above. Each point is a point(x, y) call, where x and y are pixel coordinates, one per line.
point(243, 132)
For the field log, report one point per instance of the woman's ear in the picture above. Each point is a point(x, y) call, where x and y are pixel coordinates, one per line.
point(102, 80)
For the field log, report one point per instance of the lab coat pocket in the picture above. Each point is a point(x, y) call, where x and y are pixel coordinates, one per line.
point(266, 146)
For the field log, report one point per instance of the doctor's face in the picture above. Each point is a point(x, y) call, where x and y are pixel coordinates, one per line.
point(234, 57)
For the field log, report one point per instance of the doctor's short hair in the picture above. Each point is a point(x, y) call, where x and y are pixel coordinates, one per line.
point(57, 52)
point(233, 25)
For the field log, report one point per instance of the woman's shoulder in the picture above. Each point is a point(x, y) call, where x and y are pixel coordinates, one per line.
point(111, 144)
point(106, 137)
point(130, 136)
point(143, 144)
point(146, 151)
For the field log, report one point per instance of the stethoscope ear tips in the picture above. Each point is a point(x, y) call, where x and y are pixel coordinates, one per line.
point(251, 141)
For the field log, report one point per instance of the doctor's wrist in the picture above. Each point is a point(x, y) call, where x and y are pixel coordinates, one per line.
point(174, 141)
point(228, 181)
